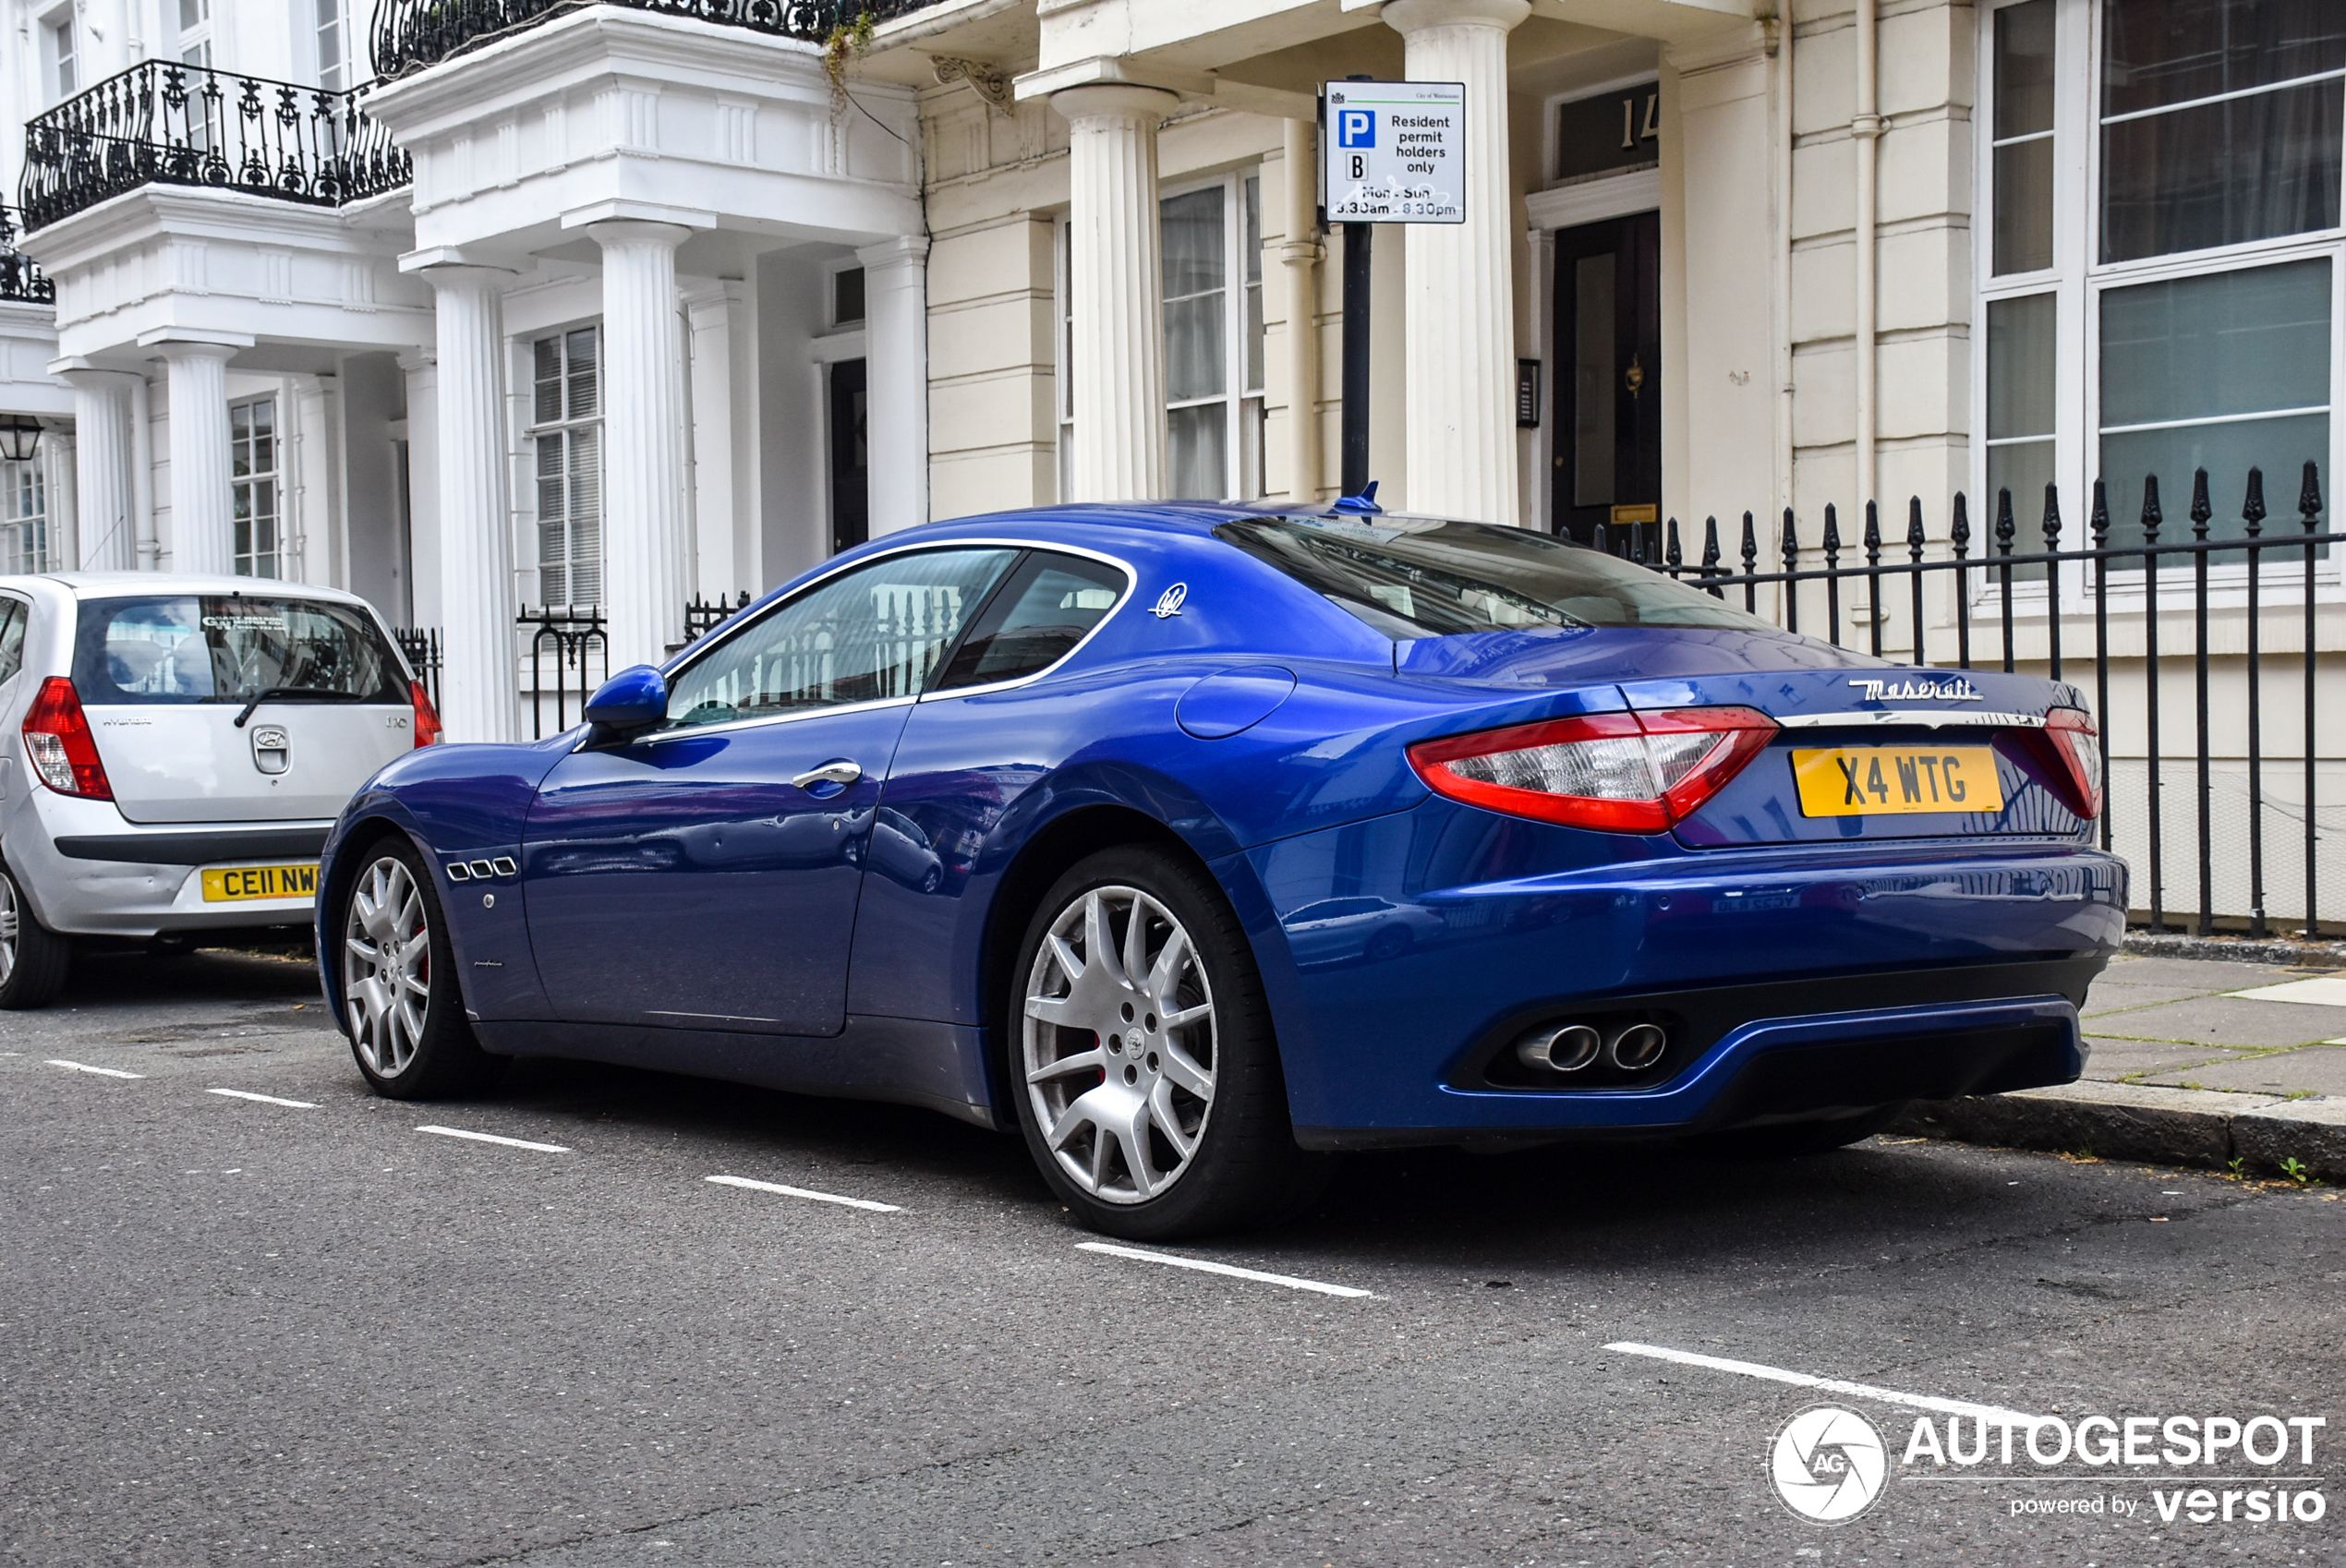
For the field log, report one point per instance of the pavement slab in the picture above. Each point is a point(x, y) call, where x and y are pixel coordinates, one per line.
point(2114, 1059)
point(2227, 1021)
point(2312, 1070)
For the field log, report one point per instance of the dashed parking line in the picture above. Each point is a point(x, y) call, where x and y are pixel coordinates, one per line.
point(806, 1192)
point(85, 1067)
point(493, 1138)
point(1993, 1413)
point(264, 1099)
point(1202, 1266)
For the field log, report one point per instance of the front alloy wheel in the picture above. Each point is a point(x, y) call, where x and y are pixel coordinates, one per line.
point(386, 965)
point(400, 1000)
point(1148, 1083)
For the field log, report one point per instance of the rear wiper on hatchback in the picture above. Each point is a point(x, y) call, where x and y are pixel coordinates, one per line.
point(306, 694)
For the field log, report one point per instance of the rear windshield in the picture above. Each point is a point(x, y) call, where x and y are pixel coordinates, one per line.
point(1423, 577)
point(229, 649)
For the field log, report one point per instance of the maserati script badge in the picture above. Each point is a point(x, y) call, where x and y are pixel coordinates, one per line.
point(1956, 691)
point(1169, 602)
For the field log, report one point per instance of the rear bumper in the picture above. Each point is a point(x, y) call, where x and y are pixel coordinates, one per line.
point(89, 871)
point(1472, 928)
point(1780, 1069)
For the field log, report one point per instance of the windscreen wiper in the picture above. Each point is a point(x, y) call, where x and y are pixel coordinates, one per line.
point(305, 693)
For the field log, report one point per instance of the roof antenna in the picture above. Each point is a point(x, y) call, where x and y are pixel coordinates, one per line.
point(1364, 502)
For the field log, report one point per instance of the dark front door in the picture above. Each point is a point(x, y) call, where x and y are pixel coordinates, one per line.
point(850, 457)
point(1608, 391)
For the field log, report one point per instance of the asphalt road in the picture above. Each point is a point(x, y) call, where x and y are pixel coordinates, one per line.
point(238, 1331)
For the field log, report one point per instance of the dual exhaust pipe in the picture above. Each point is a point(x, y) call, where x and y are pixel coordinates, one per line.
point(1569, 1047)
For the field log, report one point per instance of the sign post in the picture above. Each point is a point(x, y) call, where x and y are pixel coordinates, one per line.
point(1390, 152)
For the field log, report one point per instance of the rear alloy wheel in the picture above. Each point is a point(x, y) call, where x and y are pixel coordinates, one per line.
point(406, 1020)
point(33, 959)
point(1149, 1083)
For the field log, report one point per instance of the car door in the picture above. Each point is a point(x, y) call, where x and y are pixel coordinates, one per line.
point(705, 876)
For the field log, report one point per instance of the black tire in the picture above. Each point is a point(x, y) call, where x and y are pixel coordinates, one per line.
point(405, 1051)
point(35, 958)
point(1243, 1165)
point(1791, 1140)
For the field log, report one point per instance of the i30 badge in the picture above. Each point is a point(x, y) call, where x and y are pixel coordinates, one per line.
point(1169, 602)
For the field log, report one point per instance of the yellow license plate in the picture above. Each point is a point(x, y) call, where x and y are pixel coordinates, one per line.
point(224, 885)
point(1897, 781)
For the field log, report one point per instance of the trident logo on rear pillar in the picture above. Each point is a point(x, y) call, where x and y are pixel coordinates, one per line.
point(1169, 602)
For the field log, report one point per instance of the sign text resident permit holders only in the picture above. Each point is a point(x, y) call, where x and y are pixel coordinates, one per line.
point(1394, 151)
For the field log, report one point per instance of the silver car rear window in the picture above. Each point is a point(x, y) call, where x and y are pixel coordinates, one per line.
point(228, 649)
point(1428, 577)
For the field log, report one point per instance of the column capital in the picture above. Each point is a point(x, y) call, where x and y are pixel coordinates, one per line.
point(1115, 101)
point(78, 371)
point(686, 218)
point(1405, 17)
point(898, 250)
point(609, 232)
point(175, 344)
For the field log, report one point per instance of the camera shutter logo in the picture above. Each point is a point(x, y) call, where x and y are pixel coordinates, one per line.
point(1828, 1465)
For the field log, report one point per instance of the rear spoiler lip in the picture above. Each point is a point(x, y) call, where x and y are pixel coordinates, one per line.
point(1931, 717)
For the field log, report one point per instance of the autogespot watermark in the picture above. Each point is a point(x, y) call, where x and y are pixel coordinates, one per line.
point(1830, 1464)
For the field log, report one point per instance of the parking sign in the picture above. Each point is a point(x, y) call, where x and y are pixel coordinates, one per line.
point(1394, 151)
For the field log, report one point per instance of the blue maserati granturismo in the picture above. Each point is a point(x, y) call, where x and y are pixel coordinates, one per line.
point(1197, 842)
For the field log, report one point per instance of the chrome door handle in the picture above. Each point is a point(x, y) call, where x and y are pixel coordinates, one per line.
point(830, 772)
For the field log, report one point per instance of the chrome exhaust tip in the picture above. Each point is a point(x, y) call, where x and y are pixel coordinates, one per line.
point(1636, 1047)
point(1559, 1047)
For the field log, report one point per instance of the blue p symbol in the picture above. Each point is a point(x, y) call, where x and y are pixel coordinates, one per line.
point(1356, 127)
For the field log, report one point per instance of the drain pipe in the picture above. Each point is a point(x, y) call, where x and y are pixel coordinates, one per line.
point(1779, 44)
point(1301, 252)
point(1865, 132)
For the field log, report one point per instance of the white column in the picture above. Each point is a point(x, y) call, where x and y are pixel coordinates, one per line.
point(1116, 277)
point(419, 370)
point(1301, 252)
point(1459, 328)
point(475, 537)
point(202, 534)
point(105, 529)
point(896, 361)
point(643, 439)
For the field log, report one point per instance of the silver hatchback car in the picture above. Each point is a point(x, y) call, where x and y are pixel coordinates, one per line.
point(184, 744)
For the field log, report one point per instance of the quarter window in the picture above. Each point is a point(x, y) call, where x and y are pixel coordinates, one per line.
point(252, 488)
point(1047, 607)
point(876, 632)
point(13, 616)
point(567, 427)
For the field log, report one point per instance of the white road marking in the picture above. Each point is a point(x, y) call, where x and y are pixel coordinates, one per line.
point(264, 1099)
point(1832, 1385)
point(102, 1072)
point(806, 1192)
point(1231, 1270)
point(493, 1138)
point(2322, 991)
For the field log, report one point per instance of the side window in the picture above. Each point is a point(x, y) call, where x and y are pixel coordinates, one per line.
point(1051, 605)
point(874, 633)
point(12, 625)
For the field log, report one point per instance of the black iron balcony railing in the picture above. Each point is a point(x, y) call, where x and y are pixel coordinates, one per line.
point(162, 123)
point(19, 279)
point(411, 34)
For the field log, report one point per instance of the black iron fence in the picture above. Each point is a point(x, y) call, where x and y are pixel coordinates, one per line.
point(412, 34)
point(165, 123)
point(2008, 608)
point(704, 616)
point(20, 280)
point(421, 645)
point(567, 653)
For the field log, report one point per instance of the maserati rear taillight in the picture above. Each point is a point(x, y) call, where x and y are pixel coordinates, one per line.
point(2077, 745)
point(427, 725)
point(1622, 772)
point(57, 738)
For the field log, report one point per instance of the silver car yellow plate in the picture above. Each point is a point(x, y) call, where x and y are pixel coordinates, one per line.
point(228, 883)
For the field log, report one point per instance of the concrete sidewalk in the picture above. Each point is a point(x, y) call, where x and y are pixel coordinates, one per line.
point(2198, 1062)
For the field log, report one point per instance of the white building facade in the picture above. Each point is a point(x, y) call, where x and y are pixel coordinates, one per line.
point(491, 305)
